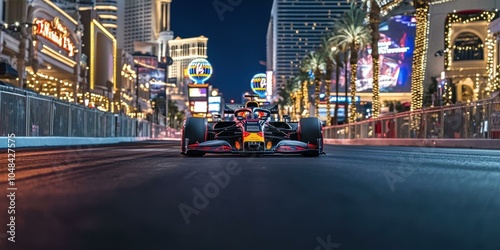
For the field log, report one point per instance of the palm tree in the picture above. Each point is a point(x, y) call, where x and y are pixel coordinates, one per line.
point(329, 52)
point(285, 94)
point(346, 53)
point(303, 79)
point(173, 110)
point(352, 32)
point(420, 52)
point(158, 106)
point(315, 62)
point(337, 61)
point(374, 26)
point(179, 118)
point(334, 53)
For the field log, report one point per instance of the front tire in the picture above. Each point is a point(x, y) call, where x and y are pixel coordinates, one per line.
point(195, 130)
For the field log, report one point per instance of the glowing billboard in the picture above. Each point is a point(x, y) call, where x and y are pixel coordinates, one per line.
point(199, 107)
point(103, 55)
point(396, 46)
point(259, 84)
point(198, 92)
point(214, 104)
point(199, 70)
point(150, 73)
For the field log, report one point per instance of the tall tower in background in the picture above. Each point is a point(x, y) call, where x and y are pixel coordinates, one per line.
point(107, 10)
point(295, 29)
point(147, 21)
point(138, 20)
point(165, 33)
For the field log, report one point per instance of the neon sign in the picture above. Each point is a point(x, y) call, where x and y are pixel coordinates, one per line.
point(259, 84)
point(343, 99)
point(55, 32)
point(199, 70)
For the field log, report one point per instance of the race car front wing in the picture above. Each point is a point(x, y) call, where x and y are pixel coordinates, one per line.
point(283, 147)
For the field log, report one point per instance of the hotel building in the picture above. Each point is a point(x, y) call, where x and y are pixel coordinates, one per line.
point(295, 29)
point(183, 51)
point(146, 21)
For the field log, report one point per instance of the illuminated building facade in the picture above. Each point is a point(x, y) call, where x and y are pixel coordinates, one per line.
point(102, 51)
point(183, 51)
point(73, 60)
point(461, 49)
point(295, 28)
point(126, 82)
point(495, 76)
point(10, 49)
point(56, 63)
point(52, 64)
point(468, 55)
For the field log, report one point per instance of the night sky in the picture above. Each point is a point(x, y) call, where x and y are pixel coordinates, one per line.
point(236, 44)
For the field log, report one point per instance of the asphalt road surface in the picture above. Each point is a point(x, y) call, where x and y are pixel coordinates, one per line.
point(147, 196)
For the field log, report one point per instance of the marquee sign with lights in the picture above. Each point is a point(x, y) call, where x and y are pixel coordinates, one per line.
point(259, 84)
point(55, 32)
point(199, 70)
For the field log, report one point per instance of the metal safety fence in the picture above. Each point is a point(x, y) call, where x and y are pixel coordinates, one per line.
point(26, 113)
point(473, 120)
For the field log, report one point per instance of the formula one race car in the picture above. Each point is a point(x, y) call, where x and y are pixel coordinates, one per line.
point(252, 132)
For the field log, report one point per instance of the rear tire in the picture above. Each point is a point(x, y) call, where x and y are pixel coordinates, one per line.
point(195, 130)
point(310, 132)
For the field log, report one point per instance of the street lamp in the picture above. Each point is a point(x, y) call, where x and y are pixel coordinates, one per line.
point(167, 61)
point(138, 108)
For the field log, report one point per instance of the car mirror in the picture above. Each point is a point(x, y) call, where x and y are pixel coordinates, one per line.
point(286, 118)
